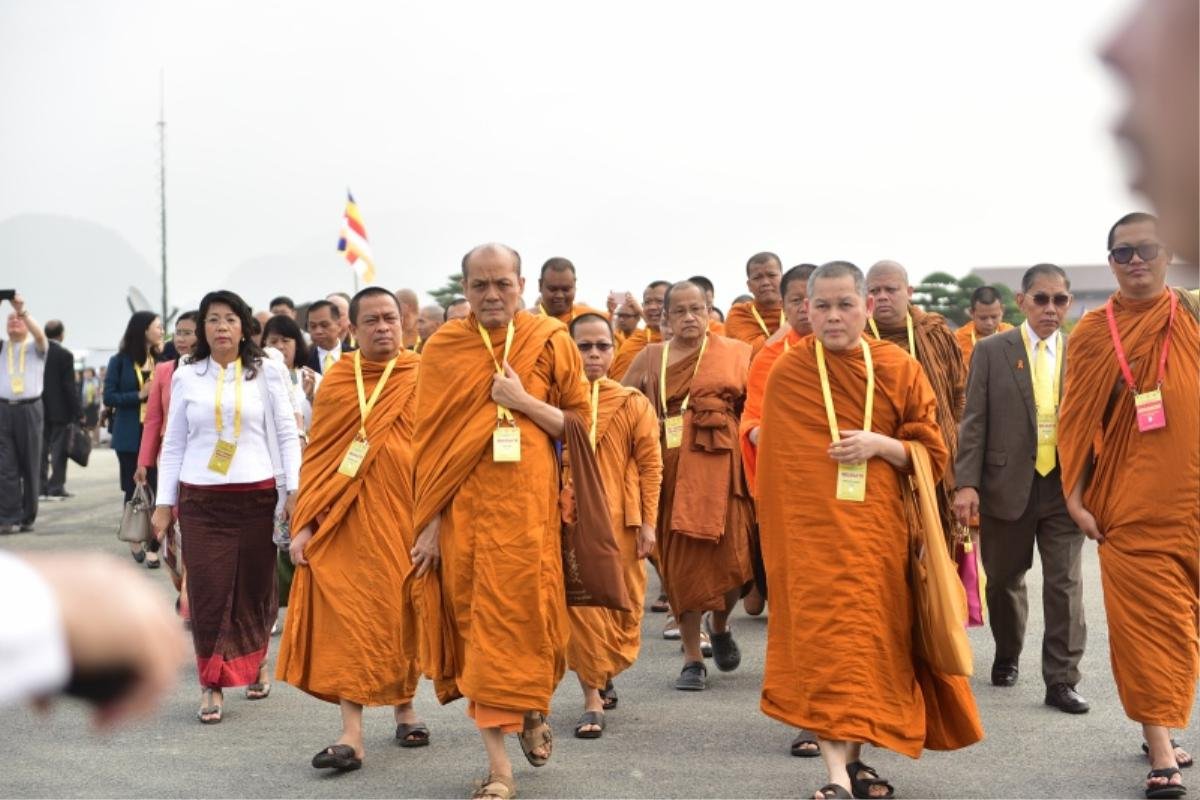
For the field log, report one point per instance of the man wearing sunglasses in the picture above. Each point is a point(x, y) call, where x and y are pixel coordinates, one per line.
point(1128, 430)
point(1008, 474)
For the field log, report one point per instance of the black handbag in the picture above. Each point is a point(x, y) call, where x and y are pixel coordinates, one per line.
point(79, 444)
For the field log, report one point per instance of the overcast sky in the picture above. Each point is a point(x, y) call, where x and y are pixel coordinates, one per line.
point(642, 140)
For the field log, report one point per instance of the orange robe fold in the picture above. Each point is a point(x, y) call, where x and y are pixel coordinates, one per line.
point(965, 336)
point(705, 511)
point(716, 327)
point(1144, 492)
point(756, 386)
point(740, 324)
point(840, 659)
point(577, 310)
point(605, 642)
point(493, 619)
point(629, 351)
point(343, 637)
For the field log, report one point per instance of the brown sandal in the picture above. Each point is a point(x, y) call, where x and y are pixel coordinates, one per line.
point(534, 737)
point(495, 787)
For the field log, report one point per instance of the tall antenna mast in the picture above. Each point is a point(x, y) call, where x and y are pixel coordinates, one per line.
point(162, 189)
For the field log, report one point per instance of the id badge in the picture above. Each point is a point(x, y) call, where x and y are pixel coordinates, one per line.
point(1150, 412)
point(506, 444)
point(1047, 428)
point(18, 384)
point(222, 457)
point(354, 457)
point(142, 413)
point(674, 430)
point(852, 482)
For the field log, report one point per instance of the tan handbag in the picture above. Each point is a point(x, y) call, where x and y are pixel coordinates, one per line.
point(135, 522)
point(939, 600)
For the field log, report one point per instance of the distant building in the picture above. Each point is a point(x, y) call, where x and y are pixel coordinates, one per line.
point(1090, 283)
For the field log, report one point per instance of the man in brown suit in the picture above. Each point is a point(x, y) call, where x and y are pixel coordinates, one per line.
point(1008, 472)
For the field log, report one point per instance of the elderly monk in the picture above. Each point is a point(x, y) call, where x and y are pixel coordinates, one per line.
point(556, 292)
point(1128, 429)
point(716, 320)
point(625, 313)
point(927, 338)
point(342, 301)
point(652, 312)
point(840, 658)
point(756, 321)
point(430, 319)
point(341, 642)
point(695, 382)
point(458, 308)
point(624, 430)
point(987, 317)
point(411, 306)
point(487, 575)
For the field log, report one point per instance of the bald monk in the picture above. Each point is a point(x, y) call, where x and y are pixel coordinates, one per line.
point(604, 642)
point(458, 308)
point(556, 292)
point(897, 320)
point(1131, 480)
point(652, 312)
point(716, 321)
point(487, 575)
point(987, 317)
point(341, 642)
point(411, 306)
point(755, 321)
point(430, 319)
point(342, 301)
point(840, 657)
point(705, 511)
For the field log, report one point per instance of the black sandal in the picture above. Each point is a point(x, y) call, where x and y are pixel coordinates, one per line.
point(415, 735)
point(861, 788)
point(832, 790)
point(590, 718)
point(1168, 789)
point(801, 748)
point(660, 605)
point(609, 695)
point(339, 757)
point(1174, 746)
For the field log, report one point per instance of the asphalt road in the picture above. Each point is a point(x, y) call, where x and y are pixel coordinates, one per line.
point(659, 742)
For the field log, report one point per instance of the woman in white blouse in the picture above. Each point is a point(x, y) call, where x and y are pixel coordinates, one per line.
point(231, 458)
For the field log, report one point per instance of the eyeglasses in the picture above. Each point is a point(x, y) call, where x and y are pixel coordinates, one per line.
point(1123, 254)
point(1060, 300)
point(600, 347)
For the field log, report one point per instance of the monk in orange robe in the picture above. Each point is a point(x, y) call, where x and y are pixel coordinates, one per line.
point(987, 317)
point(1131, 483)
point(652, 313)
point(341, 642)
point(716, 320)
point(556, 292)
point(624, 427)
point(928, 339)
point(487, 580)
point(757, 320)
point(695, 382)
point(840, 657)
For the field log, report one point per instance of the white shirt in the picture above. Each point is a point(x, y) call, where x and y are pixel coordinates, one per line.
point(33, 645)
point(322, 354)
point(191, 432)
point(1051, 342)
point(35, 368)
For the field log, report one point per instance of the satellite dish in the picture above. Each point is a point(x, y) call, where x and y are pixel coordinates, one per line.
point(137, 301)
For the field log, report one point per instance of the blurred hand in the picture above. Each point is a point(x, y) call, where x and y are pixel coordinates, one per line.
point(645, 540)
point(427, 551)
point(18, 303)
point(139, 475)
point(296, 548)
point(160, 520)
point(966, 505)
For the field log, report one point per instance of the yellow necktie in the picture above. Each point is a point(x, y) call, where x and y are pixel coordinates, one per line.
point(1043, 397)
point(328, 362)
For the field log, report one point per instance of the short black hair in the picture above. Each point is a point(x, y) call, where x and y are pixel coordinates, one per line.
point(656, 284)
point(248, 350)
point(1043, 269)
point(457, 301)
point(188, 316)
point(319, 304)
point(53, 329)
point(255, 327)
point(342, 295)
point(557, 264)
point(704, 283)
point(282, 300)
point(985, 296)
point(585, 318)
point(800, 272)
point(720, 314)
point(1129, 219)
point(287, 328)
point(765, 257)
point(493, 246)
point(370, 291)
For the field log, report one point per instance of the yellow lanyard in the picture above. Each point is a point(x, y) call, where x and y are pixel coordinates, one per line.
point(870, 402)
point(662, 379)
point(1029, 350)
point(237, 401)
point(972, 334)
point(137, 371)
point(758, 318)
point(502, 413)
point(365, 406)
point(912, 347)
point(595, 413)
point(21, 368)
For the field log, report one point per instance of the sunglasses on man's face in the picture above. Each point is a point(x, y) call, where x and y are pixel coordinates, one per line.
point(1060, 300)
point(600, 347)
point(1123, 254)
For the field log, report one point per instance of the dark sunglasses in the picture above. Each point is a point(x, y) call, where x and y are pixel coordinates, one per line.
point(1060, 300)
point(1123, 254)
point(602, 347)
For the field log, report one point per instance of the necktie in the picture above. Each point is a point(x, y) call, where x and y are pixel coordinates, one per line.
point(1043, 397)
point(328, 362)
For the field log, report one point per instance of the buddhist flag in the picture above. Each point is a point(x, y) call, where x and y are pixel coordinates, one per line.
point(354, 242)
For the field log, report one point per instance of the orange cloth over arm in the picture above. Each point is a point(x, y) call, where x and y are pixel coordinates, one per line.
point(629, 351)
point(756, 386)
point(740, 324)
point(966, 345)
point(342, 638)
point(1143, 494)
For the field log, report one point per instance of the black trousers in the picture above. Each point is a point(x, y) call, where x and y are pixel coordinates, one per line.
point(54, 457)
point(20, 456)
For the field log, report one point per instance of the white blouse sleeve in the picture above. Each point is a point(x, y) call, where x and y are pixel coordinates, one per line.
point(286, 434)
point(170, 459)
point(33, 646)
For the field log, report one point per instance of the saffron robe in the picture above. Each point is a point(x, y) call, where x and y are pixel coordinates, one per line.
point(629, 350)
point(756, 387)
point(740, 324)
point(967, 345)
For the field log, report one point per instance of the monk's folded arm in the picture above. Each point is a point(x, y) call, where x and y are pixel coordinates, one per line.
point(544, 415)
point(895, 452)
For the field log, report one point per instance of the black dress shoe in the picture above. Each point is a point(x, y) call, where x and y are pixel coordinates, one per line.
point(1004, 672)
point(1064, 697)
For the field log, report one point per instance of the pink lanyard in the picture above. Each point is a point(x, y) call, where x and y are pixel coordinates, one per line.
point(1123, 361)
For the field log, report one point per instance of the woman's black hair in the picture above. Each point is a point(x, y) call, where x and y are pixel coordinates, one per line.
point(248, 350)
point(192, 317)
point(287, 328)
point(133, 343)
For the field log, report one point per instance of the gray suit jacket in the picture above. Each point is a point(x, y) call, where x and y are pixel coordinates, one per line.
point(997, 439)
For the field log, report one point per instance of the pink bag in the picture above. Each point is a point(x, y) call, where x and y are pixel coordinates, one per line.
point(968, 572)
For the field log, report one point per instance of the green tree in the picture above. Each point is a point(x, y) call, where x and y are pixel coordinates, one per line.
point(944, 294)
point(452, 289)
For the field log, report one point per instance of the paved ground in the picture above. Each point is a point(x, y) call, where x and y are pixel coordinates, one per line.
point(659, 743)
